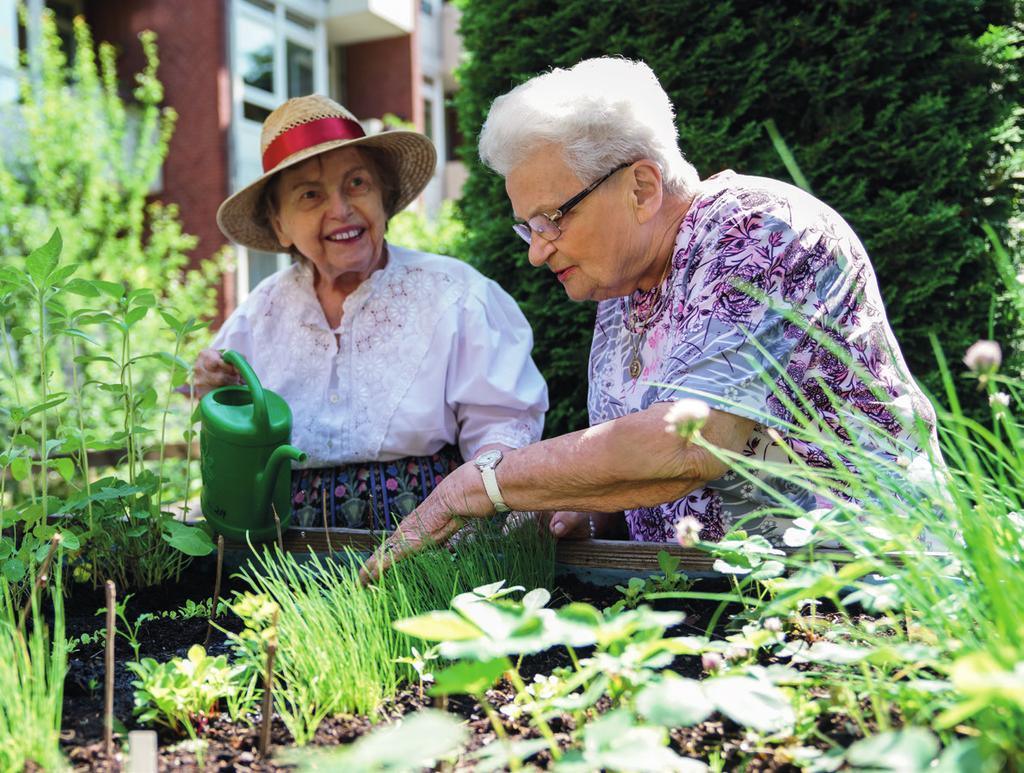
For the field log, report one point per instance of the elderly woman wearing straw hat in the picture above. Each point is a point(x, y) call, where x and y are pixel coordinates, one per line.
point(701, 287)
point(397, 364)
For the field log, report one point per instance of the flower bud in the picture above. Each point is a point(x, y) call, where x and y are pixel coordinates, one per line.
point(686, 416)
point(736, 651)
point(688, 531)
point(999, 398)
point(712, 662)
point(984, 357)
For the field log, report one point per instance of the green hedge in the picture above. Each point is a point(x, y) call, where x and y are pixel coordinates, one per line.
point(891, 110)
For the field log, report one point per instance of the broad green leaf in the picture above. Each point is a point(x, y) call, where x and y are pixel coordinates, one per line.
point(674, 702)
point(62, 273)
point(113, 289)
point(536, 599)
point(190, 540)
point(750, 702)
point(173, 322)
point(43, 260)
point(470, 677)
point(438, 626)
point(14, 569)
point(21, 468)
point(65, 466)
point(414, 742)
point(83, 288)
point(7, 547)
point(964, 756)
point(19, 332)
point(70, 540)
point(909, 750)
point(135, 315)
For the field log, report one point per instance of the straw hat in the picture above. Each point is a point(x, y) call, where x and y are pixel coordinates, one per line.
point(308, 126)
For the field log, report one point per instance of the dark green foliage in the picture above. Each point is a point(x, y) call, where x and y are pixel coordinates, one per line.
point(891, 110)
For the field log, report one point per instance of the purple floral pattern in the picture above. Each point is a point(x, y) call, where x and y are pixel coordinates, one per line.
point(368, 495)
point(750, 254)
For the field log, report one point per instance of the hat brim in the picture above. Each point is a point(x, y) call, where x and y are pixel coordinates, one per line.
point(413, 158)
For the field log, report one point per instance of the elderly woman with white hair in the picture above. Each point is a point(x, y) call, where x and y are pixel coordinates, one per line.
point(702, 287)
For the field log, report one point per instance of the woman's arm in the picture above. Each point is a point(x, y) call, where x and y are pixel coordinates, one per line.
point(622, 464)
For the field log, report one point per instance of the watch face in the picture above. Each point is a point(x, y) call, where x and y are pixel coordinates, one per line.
point(487, 458)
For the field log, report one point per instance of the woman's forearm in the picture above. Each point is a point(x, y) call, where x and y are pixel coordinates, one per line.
point(625, 463)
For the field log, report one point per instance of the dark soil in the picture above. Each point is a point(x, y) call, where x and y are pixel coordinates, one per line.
point(234, 747)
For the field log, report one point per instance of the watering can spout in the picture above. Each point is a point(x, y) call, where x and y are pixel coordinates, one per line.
point(266, 480)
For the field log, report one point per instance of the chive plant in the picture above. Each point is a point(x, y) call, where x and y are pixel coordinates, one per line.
point(338, 651)
point(33, 663)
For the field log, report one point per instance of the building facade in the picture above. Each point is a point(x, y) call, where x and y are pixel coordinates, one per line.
point(225, 64)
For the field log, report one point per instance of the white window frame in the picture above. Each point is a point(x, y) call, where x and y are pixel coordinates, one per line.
point(284, 30)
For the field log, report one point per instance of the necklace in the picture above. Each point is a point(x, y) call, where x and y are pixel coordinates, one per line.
point(642, 310)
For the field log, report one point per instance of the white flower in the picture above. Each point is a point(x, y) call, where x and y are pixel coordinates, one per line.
point(984, 356)
point(736, 651)
point(686, 416)
point(688, 531)
point(773, 624)
point(999, 398)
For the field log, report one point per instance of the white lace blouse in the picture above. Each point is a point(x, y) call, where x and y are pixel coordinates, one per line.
point(428, 352)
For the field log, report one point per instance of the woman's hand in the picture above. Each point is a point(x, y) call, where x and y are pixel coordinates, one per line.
point(573, 524)
point(459, 496)
point(211, 371)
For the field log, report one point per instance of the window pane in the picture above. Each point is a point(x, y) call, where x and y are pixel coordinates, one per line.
point(255, 112)
point(300, 70)
point(256, 54)
point(261, 265)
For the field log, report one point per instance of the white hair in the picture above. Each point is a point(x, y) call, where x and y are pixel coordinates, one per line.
point(601, 112)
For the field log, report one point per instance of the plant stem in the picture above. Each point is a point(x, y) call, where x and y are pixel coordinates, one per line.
point(538, 719)
point(216, 589)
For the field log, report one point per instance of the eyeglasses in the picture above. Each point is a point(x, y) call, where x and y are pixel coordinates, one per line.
point(544, 224)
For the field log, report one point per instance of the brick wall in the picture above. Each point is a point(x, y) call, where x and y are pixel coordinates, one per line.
point(384, 77)
point(192, 40)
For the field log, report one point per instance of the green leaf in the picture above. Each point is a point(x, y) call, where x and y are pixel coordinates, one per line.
point(72, 331)
point(469, 677)
point(43, 260)
point(113, 289)
point(65, 466)
point(135, 315)
point(190, 540)
point(21, 468)
point(412, 743)
point(83, 288)
point(536, 599)
point(172, 322)
point(62, 273)
point(909, 750)
point(51, 402)
point(674, 702)
point(668, 564)
point(750, 702)
point(70, 540)
point(438, 626)
point(14, 569)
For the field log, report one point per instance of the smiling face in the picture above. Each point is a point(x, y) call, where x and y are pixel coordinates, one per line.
point(331, 209)
point(600, 253)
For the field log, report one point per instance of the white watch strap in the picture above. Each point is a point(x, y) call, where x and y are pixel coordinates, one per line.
point(491, 487)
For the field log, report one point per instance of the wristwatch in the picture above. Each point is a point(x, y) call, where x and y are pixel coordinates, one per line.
point(486, 463)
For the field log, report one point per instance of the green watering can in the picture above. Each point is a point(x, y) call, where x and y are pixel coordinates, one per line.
point(246, 457)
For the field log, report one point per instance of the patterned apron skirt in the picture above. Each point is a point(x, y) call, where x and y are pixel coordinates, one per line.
point(368, 495)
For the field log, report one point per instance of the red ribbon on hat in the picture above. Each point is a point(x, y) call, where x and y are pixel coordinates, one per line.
point(307, 135)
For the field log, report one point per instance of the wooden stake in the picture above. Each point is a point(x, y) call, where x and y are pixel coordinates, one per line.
point(41, 579)
point(142, 751)
point(268, 702)
point(277, 521)
point(108, 702)
point(216, 591)
point(327, 531)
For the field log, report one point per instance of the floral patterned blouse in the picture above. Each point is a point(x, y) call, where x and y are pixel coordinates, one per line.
point(694, 333)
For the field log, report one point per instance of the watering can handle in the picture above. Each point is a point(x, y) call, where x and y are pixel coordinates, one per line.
point(259, 400)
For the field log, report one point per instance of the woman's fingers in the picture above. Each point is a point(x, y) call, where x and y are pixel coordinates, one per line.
point(568, 524)
point(211, 372)
point(414, 534)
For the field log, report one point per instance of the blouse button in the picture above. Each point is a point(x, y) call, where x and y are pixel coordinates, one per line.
point(334, 398)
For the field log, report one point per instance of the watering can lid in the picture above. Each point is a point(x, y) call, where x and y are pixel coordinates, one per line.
point(228, 413)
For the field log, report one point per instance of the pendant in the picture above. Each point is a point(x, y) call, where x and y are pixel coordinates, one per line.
point(635, 368)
